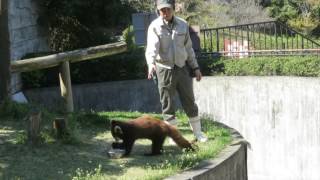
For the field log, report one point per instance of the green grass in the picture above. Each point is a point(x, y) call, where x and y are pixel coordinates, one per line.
point(84, 154)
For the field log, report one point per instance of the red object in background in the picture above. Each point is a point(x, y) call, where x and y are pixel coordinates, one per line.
point(236, 48)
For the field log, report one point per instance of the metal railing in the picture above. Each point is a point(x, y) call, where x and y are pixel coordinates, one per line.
point(256, 39)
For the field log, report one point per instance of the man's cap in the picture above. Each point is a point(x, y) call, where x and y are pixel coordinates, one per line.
point(165, 4)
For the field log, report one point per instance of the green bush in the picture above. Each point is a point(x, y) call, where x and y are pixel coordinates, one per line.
point(74, 24)
point(131, 65)
point(128, 36)
point(269, 66)
point(302, 67)
point(124, 66)
point(39, 78)
point(12, 110)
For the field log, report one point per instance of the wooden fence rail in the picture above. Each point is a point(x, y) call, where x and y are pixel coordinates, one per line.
point(63, 60)
point(70, 56)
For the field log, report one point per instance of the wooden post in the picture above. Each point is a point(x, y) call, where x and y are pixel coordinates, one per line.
point(60, 127)
point(65, 86)
point(4, 52)
point(34, 127)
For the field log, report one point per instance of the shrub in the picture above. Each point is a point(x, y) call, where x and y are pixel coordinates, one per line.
point(128, 36)
point(131, 65)
point(74, 24)
point(266, 66)
point(12, 110)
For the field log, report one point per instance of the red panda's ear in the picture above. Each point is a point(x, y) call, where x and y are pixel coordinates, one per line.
point(113, 122)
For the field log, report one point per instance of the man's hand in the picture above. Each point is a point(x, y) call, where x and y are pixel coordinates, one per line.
point(198, 74)
point(151, 70)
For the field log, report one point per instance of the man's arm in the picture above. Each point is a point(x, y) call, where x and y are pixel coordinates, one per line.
point(152, 50)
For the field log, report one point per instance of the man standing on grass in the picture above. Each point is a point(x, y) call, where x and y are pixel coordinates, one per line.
point(169, 53)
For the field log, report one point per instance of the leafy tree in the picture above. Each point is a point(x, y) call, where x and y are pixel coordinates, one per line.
point(81, 23)
point(282, 10)
point(303, 15)
point(247, 11)
point(141, 5)
point(213, 13)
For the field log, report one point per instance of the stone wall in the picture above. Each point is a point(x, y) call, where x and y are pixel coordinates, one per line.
point(26, 36)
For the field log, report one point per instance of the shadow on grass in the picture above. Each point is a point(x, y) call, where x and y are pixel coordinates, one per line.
point(55, 160)
point(58, 161)
point(61, 161)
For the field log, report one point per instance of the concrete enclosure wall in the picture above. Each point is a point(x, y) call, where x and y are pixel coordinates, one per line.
point(279, 116)
point(135, 95)
point(229, 164)
point(26, 36)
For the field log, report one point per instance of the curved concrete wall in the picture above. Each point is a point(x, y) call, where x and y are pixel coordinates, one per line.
point(279, 116)
point(229, 164)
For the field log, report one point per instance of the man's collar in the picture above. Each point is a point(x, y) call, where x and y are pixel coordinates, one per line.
point(174, 21)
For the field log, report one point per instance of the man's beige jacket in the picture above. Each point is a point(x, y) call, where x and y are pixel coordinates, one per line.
point(167, 47)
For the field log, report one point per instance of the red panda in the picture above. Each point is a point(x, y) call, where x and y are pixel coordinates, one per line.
point(146, 127)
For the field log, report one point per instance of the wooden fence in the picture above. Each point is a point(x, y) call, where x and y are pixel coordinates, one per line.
point(63, 60)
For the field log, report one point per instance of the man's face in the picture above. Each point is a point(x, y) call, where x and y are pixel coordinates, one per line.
point(166, 13)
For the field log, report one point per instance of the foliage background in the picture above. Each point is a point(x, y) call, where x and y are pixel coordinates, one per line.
point(74, 24)
point(303, 15)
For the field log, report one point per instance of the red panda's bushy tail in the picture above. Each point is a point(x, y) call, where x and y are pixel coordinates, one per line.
point(179, 139)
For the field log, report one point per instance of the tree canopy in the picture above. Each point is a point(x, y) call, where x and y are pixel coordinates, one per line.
point(303, 15)
point(81, 23)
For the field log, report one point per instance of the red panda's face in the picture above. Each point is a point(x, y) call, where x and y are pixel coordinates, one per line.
point(116, 131)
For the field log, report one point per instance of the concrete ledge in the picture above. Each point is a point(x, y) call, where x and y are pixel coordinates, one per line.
point(230, 164)
point(131, 95)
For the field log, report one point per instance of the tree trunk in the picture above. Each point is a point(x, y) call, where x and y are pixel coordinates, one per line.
point(4, 52)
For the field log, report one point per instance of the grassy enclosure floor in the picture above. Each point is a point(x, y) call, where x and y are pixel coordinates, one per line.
point(84, 154)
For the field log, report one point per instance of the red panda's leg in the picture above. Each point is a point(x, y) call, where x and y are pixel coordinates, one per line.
point(116, 145)
point(128, 146)
point(157, 145)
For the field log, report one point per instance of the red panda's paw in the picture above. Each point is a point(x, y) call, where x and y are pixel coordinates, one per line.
point(116, 145)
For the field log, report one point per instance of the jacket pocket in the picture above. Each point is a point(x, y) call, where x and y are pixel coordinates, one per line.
point(165, 41)
point(180, 38)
